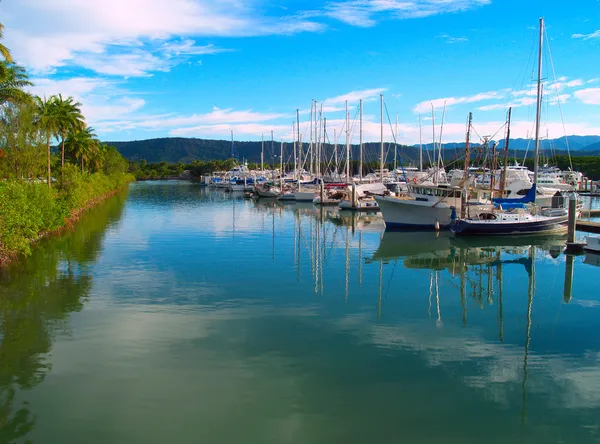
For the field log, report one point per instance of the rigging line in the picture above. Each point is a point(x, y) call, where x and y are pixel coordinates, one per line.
point(558, 101)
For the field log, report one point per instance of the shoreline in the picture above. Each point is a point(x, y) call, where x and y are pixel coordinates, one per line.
point(69, 222)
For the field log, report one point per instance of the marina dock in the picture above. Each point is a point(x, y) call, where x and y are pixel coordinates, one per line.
point(588, 227)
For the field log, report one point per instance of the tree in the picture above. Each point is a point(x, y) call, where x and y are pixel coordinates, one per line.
point(47, 119)
point(4, 51)
point(13, 79)
point(82, 144)
point(69, 118)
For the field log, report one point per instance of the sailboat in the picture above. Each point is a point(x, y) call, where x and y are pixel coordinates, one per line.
point(512, 216)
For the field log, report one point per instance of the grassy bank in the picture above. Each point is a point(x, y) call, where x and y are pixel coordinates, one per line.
point(28, 211)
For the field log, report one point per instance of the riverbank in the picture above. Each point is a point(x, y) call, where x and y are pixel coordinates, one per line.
point(31, 211)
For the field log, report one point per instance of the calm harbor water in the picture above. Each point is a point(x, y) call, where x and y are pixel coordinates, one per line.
point(178, 314)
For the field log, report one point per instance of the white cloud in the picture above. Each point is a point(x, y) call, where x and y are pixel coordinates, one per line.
point(365, 13)
point(593, 35)
point(92, 34)
point(425, 106)
point(589, 96)
point(449, 39)
point(355, 96)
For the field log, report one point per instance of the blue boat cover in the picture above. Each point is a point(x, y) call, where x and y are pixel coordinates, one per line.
point(528, 198)
point(509, 205)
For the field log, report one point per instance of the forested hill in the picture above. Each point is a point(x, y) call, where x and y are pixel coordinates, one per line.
point(186, 150)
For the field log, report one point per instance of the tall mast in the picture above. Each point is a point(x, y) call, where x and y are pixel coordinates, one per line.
point(325, 161)
point(434, 148)
point(381, 130)
point(360, 167)
point(272, 147)
point(299, 163)
point(262, 152)
point(467, 147)
point(316, 156)
point(539, 103)
point(347, 144)
point(396, 144)
point(232, 155)
point(281, 167)
point(335, 150)
point(310, 137)
point(503, 178)
point(295, 150)
point(420, 145)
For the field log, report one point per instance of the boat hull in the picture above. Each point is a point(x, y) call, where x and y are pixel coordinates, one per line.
point(410, 214)
point(483, 228)
point(304, 196)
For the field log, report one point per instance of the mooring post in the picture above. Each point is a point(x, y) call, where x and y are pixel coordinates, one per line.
point(573, 246)
point(568, 290)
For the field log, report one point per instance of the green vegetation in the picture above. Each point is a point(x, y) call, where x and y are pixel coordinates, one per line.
point(36, 298)
point(87, 169)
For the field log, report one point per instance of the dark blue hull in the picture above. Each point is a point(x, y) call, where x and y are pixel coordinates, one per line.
point(470, 227)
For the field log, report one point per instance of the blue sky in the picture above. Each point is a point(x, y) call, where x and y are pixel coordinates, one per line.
point(200, 68)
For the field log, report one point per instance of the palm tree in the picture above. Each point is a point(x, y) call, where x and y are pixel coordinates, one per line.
point(70, 118)
point(82, 144)
point(4, 51)
point(13, 78)
point(47, 119)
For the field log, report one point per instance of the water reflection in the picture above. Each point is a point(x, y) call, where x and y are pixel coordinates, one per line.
point(36, 297)
point(217, 319)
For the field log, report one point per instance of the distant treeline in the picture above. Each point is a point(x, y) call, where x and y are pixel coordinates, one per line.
point(588, 165)
point(187, 150)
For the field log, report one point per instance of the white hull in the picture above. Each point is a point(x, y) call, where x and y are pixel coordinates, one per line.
point(269, 193)
point(399, 213)
point(304, 196)
point(289, 197)
point(362, 205)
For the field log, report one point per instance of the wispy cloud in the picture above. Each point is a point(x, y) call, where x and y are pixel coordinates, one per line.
point(593, 35)
point(354, 96)
point(366, 13)
point(93, 34)
point(589, 96)
point(425, 106)
point(449, 39)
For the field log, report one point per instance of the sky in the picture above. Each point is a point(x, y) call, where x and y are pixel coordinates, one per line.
point(201, 68)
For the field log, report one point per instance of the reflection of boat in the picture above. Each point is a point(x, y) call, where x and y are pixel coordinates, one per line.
point(545, 242)
point(401, 244)
point(364, 221)
point(592, 243)
point(592, 259)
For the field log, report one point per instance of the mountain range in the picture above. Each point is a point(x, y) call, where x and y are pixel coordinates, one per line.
point(179, 149)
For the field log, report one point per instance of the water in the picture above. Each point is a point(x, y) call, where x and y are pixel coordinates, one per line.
point(178, 314)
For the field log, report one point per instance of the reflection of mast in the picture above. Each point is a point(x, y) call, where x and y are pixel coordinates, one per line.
point(273, 246)
point(530, 293)
point(437, 300)
point(500, 294)
point(360, 259)
point(347, 258)
point(463, 283)
point(568, 291)
point(380, 288)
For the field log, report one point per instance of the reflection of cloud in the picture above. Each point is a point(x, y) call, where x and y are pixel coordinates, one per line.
point(567, 381)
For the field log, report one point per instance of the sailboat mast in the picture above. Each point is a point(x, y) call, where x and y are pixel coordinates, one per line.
point(381, 162)
point(503, 179)
point(310, 144)
point(420, 145)
point(435, 177)
point(272, 147)
point(347, 144)
point(262, 152)
point(396, 144)
point(360, 167)
point(281, 167)
point(295, 150)
point(232, 155)
point(539, 103)
point(299, 163)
